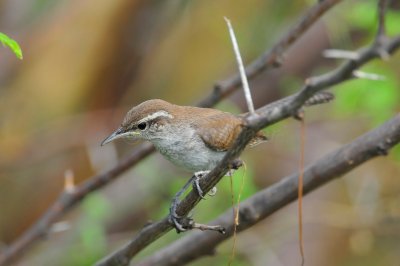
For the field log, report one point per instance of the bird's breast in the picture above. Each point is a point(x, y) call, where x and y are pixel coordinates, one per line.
point(188, 151)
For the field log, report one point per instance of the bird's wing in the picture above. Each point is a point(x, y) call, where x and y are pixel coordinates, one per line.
point(219, 131)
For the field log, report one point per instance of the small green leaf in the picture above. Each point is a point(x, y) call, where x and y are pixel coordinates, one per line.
point(13, 45)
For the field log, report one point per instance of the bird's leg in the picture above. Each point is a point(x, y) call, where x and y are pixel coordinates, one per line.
point(234, 165)
point(182, 224)
point(196, 184)
point(174, 218)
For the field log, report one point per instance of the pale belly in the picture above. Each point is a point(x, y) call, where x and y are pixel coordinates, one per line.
point(192, 155)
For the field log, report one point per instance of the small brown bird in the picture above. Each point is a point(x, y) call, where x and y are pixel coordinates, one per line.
point(191, 137)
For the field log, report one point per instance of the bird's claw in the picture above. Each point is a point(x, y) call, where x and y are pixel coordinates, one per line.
point(196, 183)
point(180, 223)
point(196, 186)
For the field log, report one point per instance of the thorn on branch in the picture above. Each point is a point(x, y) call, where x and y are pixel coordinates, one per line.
point(370, 76)
point(340, 54)
point(69, 184)
point(242, 70)
point(205, 227)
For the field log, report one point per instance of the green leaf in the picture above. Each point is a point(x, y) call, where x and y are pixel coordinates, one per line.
point(13, 45)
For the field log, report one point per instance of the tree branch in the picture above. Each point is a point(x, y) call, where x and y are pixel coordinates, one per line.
point(264, 203)
point(266, 116)
point(65, 202)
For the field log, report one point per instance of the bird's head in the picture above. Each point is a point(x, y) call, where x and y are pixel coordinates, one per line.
point(144, 121)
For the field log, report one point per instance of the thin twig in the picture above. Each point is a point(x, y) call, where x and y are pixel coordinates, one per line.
point(301, 187)
point(382, 6)
point(381, 32)
point(69, 183)
point(340, 54)
point(246, 88)
point(364, 75)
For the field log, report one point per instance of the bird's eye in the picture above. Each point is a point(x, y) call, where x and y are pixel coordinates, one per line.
point(142, 126)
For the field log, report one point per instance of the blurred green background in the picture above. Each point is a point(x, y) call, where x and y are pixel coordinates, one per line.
point(86, 62)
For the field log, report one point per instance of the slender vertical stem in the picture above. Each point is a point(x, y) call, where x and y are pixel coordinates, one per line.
point(243, 76)
point(300, 189)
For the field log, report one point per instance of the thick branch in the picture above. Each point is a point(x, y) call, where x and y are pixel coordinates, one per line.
point(267, 115)
point(266, 202)
point(223, 89)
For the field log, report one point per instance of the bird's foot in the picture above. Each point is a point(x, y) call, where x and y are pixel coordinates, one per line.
point(183, 224)
point(180, 223)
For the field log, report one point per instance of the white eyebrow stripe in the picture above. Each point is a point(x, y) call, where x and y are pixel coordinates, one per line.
point(154, 116)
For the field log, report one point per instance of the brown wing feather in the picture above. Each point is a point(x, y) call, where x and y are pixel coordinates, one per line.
point(219, 131)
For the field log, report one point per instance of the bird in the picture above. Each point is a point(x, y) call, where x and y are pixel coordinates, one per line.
point(192, 138)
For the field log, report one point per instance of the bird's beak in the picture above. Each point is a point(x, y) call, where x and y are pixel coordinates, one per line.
point(117, 134)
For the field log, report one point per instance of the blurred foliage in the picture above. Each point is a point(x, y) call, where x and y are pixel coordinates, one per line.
point(91, 231)
point(362, 16)
point(375, 100)
point(13, 45)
